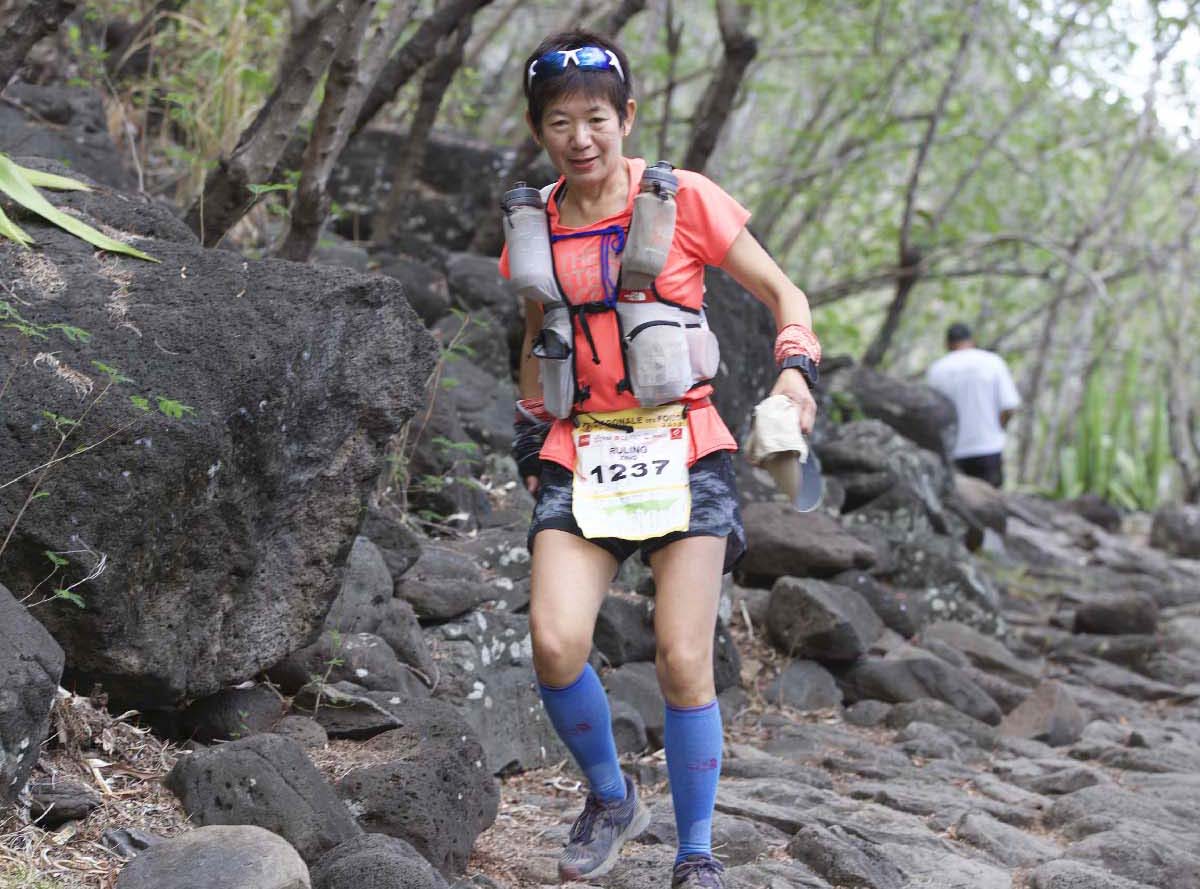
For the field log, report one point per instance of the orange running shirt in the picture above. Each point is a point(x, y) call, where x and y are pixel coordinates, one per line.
point(707, 222)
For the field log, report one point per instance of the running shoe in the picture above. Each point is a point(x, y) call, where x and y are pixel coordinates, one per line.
point(598, 834)
point(698, 872)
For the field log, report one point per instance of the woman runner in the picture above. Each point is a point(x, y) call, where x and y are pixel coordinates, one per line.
point(579, 108)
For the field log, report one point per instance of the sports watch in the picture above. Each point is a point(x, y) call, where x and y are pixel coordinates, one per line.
point(806, 366)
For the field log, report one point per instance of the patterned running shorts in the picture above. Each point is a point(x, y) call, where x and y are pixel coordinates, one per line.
point(714, 511)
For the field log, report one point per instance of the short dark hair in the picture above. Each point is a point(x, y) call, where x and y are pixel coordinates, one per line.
point(957, 333)
point(606, 85)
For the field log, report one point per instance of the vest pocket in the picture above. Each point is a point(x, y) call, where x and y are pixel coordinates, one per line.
point(704, 352)
point(660, 370)
point(556, 362)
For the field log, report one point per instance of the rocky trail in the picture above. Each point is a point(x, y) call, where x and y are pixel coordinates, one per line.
point(926, 684)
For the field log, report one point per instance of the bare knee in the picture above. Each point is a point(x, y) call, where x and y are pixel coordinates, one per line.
point(685, 672)
point(559, 653)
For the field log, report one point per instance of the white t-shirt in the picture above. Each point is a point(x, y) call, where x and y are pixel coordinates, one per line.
point(979, 384)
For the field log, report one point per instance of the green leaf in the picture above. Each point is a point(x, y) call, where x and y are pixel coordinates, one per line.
point(58, 419)
point(113, 374)
point(140, 402)
point(38, 179)
point(12, 231)
point(266, 188)
point(57, 560)
point(74, 598)
point(74, 334)
point(172, 408)
point(15, 186)
point(40, 494)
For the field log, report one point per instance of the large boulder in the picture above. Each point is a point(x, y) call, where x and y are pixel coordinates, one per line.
point(454, 192)
point(361, 658)
point(821, 621)
point(442, 584)
point(1176, 529)
point(431, 786)
point(374, 861)
point(233, 713)
point(911, 678)
point(1049, 715)
point(267, 781)
point(782, 542)
point(1117, 614)
point(294, 379)
point(485, 666)
point(985, 503)
point(65, 123)
point(31, 664)
point(745, 329)
point(918, 412)
point(367, 604)
point(244, 857)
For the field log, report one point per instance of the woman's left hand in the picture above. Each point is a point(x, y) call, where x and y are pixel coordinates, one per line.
point(792, 384)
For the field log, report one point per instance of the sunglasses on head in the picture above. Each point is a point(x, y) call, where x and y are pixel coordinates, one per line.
point(587, 58)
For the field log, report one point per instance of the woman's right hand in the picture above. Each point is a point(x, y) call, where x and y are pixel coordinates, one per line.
point(531, 424)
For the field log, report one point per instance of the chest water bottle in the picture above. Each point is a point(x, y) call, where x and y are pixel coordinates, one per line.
point(651, 229)
point(527, 234)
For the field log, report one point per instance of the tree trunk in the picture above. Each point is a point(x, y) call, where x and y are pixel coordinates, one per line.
point(906, 279)
point(416, 52)
point(1034, 384)
point(329, 135)
point(32, 21)
point(908, 251)
point(717, 102)
point(227, 195)
point(434, 85)
point(351, 74)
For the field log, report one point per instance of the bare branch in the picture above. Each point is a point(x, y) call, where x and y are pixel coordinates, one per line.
point(436, 81)
point(227, 195)
point(351, 73)
point(120, 55)
point(909, 254)
point(614, 19)
point(416, 52)
point(717, 101)
point(674, 39)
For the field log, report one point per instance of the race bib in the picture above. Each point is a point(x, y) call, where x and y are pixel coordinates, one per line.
point(631, 474)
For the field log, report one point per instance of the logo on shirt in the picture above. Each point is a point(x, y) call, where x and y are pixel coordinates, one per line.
point(676, 433)
point(703, 765)
point(584, 440)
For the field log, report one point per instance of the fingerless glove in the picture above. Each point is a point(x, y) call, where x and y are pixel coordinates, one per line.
point(531, 423)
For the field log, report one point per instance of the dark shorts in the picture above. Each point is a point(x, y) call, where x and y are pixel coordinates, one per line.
point(989, 467)
point(714, 511)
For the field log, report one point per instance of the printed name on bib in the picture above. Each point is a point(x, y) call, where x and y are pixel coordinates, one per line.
point(631, 478)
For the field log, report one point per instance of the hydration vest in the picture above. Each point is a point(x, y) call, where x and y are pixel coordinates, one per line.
point(663, 348)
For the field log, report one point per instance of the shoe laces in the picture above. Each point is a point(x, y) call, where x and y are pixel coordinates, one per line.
point(702, 867)
point(593, 810)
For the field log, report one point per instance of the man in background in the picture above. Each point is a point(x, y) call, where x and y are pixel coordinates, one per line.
point(979, 384)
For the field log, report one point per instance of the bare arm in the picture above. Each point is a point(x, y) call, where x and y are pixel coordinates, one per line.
point(1005, 416)
point(527, 379)
point(750, 265)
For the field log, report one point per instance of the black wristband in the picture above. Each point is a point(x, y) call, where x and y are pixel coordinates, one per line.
point(806, 366)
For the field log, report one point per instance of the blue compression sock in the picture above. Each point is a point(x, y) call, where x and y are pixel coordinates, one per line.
point(693, 740)
point(581, 717)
